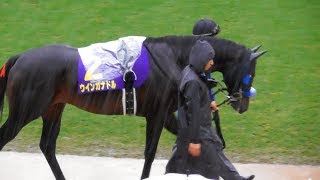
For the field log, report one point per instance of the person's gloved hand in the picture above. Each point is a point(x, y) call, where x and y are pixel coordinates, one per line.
point(214, 107)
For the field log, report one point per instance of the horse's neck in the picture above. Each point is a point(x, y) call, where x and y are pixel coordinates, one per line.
point(181, 47)
point(228, 53)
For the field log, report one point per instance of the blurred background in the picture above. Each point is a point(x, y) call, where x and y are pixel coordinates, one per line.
point(283, 122)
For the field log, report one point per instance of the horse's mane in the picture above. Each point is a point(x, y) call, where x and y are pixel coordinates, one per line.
point(226, 50)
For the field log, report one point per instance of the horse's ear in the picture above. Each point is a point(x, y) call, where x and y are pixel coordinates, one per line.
point(255, 56)
point(255, 49)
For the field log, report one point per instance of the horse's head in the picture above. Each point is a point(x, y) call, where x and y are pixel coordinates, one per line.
point(236, 62)
point(238, 76)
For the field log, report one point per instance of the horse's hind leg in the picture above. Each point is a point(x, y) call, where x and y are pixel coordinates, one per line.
point(17, 119)
point(10, 130)
point(50, 132)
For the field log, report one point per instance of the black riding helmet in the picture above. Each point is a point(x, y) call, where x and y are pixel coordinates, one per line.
point(206, 27)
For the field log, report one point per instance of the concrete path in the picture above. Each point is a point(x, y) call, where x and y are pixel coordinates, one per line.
point(29, 166)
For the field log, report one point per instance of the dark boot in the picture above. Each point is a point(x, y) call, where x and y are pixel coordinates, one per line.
point(248, 178)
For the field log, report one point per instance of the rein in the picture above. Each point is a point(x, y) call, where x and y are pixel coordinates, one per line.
point(232, 98)
point(235, 96)
point(216, 117)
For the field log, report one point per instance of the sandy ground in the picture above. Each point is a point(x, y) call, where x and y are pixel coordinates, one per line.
point(29, 166)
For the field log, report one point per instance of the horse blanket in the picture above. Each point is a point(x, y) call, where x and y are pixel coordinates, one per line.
point(101, 66)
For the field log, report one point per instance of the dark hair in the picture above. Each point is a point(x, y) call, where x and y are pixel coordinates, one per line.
point(206, 27)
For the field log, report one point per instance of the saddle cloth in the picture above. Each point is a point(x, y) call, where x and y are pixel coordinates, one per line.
point(101, 66)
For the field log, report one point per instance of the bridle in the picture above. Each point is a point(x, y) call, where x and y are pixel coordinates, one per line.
point(245, 90)
point(235, 96)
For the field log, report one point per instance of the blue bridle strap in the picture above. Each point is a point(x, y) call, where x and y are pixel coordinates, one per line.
point(246, 81)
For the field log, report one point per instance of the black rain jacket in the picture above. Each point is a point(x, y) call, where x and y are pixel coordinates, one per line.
point(194, 112)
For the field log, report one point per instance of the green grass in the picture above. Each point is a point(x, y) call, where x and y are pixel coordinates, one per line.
point(282, 125)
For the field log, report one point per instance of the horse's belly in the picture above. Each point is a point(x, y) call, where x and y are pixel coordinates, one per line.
point(108, 103)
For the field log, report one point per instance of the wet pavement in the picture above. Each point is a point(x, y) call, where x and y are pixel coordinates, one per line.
point(32, 166)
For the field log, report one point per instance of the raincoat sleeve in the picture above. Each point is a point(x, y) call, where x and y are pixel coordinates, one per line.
point(192, 104)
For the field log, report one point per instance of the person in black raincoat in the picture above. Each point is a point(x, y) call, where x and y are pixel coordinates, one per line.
point(199, 149)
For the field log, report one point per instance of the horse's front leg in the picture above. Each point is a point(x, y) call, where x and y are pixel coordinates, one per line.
point(153, 132)
point(50, 132)
point(171, 123)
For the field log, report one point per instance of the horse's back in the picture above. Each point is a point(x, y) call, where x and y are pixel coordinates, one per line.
point(49, 55)
point(42, 70)
point(44, 60)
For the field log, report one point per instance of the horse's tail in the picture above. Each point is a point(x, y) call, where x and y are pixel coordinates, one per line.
point(4, 72)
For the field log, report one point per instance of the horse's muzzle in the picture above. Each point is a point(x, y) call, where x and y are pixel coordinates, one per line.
point(242, 105)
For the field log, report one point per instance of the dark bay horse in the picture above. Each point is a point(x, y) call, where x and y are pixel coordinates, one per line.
point(41, 81)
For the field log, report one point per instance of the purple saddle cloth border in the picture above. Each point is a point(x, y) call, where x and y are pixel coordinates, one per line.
point(140, 68)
